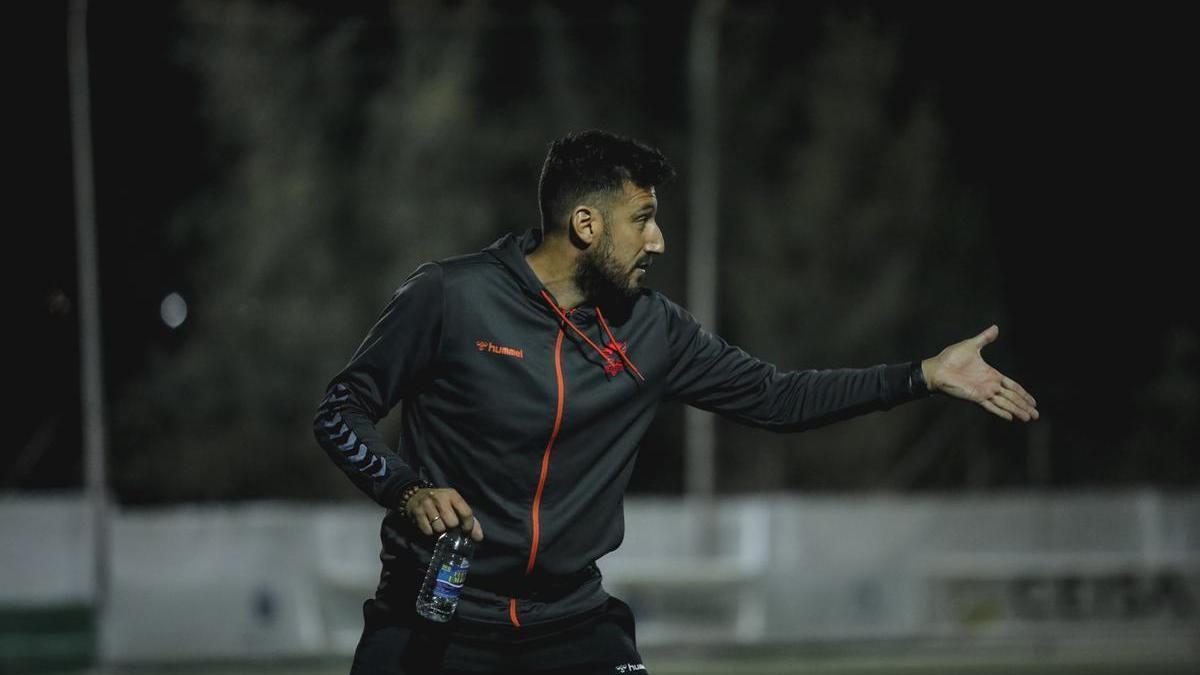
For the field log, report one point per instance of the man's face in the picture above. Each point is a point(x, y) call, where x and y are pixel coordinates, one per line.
point(615, 265)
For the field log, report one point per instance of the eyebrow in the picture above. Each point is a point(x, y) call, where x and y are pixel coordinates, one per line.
point(648, 208)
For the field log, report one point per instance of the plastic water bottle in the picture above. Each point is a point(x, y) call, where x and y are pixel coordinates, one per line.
point(444, 578)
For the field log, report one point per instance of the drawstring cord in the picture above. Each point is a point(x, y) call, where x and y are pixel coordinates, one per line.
point(616, 347)
point(564, 319)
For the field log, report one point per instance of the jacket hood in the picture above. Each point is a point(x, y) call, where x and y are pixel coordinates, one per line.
point(511, 250)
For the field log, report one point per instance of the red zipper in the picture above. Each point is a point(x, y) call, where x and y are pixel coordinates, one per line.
point(537, 497)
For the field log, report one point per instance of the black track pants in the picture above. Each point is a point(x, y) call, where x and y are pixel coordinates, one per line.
point(599, 642)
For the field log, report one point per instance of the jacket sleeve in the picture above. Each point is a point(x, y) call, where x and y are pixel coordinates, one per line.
point(709, 373)
point(397, 354)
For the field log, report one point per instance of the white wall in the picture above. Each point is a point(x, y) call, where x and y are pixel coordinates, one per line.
point(45, 550)
point(284, 579)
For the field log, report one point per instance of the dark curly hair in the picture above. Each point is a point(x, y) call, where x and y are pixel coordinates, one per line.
point(584, 163)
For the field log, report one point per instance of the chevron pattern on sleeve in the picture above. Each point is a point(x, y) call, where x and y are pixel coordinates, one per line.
point(344, 438)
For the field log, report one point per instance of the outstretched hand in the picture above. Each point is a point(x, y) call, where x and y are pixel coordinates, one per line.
point(960, 371)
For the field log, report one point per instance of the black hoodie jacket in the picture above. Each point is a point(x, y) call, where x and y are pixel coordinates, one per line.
point(534, 415)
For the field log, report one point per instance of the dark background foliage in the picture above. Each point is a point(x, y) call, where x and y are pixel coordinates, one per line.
point(894, 178)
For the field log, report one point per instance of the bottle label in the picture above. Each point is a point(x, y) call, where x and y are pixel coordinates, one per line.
point(450, 580)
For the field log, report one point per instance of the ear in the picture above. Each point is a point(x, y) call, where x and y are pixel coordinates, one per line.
point(586, 223)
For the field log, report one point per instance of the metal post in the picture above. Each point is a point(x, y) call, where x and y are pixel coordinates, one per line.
point(699, 431)
point(90, 354)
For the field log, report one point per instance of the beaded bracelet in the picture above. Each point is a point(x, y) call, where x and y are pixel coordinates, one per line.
point(411, 490)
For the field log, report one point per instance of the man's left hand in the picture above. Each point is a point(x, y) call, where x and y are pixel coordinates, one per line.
point(960, 371)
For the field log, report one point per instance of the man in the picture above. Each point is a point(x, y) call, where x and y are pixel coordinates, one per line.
point(529, 373)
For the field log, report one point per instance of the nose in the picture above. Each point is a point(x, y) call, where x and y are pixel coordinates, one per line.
point(655, 243)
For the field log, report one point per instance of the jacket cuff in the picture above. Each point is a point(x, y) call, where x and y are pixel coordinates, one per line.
point(917, 385)
point(900, 385)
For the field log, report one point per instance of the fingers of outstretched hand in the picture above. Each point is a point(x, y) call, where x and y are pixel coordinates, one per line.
point(995, 410)
point(1009, 383)
point(1028, 410)
point(1008, 403)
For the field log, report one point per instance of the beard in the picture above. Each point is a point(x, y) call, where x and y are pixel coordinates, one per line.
point(601, 277)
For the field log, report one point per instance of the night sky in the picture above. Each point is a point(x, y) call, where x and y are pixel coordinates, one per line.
point(1072, 126)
